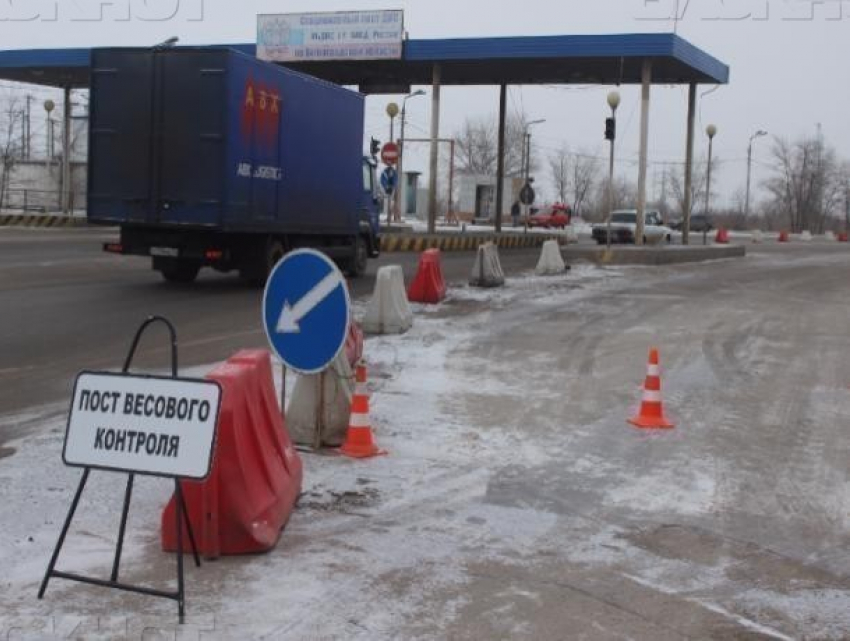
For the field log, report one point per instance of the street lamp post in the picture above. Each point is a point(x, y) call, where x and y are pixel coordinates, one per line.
point(527, 175)
point(49, 106)
point(418, 92)
point(711, 132)
point(613, 102)
point(758, 134)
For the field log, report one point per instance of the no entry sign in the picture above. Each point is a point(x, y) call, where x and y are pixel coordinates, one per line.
point(389, 153)
point(143, 424)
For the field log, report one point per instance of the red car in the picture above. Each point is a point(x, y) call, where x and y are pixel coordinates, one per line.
point(555, 217)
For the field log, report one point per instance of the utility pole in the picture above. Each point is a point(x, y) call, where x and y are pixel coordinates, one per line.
point(28, 125)
point(758, 134)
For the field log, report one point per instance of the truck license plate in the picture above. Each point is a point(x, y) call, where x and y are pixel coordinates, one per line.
point(165, 252)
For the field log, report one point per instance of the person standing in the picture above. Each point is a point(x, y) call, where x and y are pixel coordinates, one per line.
point(515, 209)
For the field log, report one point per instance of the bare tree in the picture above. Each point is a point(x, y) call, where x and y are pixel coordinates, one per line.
point(478, 143)
point(676, 183)
point(807, 185)
point(585, 168)
point(10, 143)
point(624, 197)
point(559, 166)
point(574, 175)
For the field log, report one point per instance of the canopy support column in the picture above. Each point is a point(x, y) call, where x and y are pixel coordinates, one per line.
point(500, 160)
point(689, 165)
point(644, 143)
point(66, 154)
point(435, 150)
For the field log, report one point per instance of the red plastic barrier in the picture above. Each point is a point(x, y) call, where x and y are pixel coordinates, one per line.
point(722, 237)
point(256, 476)
point(354, 344)
point(428, 286)
point(783, 237)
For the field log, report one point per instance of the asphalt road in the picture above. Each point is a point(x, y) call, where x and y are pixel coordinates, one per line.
point(69, 307)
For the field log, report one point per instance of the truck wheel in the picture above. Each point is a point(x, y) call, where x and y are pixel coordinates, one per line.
point(257, 272)
point(180, 272)
point(356, 266)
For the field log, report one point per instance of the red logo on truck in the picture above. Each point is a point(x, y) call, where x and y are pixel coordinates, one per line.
point(261, 110)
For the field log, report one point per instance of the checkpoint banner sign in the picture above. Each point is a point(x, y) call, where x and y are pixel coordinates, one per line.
point(342, 35)
point(306, 311)
point(143, 424)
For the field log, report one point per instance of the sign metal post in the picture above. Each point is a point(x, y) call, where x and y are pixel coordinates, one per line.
point(306, 315)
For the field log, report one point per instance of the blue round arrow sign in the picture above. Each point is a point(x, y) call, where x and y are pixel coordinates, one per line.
point(306, 311)
point(389, 179)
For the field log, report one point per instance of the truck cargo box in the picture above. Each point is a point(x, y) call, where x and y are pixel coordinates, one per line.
point(209, 138)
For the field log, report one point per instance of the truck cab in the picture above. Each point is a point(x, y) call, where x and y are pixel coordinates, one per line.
point(371, 206)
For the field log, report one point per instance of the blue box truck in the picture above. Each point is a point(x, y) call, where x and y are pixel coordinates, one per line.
point(206, 157)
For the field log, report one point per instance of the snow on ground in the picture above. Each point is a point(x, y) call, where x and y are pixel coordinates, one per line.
point(393, 547)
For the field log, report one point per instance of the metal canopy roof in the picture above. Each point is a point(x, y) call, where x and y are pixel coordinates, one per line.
point(527, 60)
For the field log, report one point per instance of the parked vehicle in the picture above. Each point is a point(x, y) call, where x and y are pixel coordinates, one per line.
point(624, 224)
point(557, 216)
point(699, 223)
point(206, 157)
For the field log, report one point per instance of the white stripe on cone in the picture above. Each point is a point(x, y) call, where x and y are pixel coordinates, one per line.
point(359, 420)
point(653, 370)
point(651, 396)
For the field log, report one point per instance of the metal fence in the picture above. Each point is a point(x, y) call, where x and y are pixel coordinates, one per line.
point(39, 201)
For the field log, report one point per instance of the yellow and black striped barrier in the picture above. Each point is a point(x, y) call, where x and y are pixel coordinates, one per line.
point(25, 220)
point(393, 243)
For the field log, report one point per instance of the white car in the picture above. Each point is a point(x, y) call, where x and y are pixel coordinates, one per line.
point(624, 223)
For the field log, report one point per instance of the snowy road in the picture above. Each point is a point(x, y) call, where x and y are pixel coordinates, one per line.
point(516, 502)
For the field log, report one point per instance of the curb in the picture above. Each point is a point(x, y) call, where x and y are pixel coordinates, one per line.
point(459, 242)
point(665, 255)
point(23, 220)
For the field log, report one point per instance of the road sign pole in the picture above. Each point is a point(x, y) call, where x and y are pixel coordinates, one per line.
point(320, 411)
point(283, 392)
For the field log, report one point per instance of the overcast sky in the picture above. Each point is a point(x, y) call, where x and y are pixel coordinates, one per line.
point(787, 60)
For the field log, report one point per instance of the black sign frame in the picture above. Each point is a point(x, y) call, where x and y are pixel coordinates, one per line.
point(181, 517)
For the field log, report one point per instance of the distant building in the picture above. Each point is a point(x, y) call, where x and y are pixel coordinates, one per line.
point(476, 198)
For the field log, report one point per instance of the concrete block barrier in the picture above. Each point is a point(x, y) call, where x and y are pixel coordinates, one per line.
point(487, 270)
point(304, 425)
point(389, 311)
point(551, 261)
point(392, 243)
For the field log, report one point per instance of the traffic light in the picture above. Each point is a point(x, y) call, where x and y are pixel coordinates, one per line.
point(610, 129)
point(375, 148)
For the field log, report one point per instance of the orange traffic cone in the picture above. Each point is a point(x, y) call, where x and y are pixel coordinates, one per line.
point(651, 413)
point(358, 440)
point(722, 236)
point(783, 237)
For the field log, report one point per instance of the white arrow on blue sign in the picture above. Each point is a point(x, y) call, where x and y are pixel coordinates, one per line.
point(306, 311)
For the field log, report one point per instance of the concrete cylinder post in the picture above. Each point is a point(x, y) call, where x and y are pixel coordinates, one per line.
point(646, 77)
point(435, 151)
